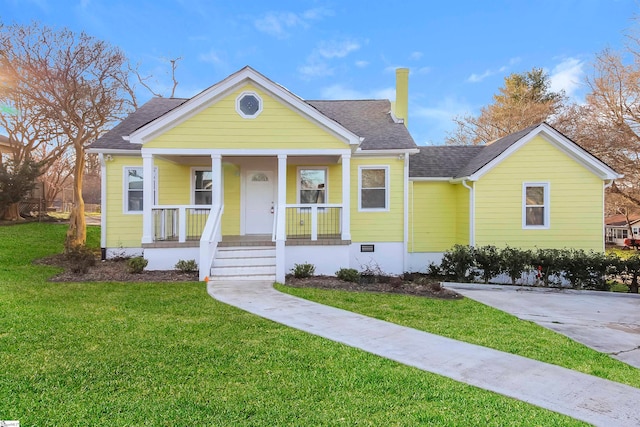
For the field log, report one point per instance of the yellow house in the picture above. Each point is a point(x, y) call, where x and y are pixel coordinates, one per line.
point(248, 179)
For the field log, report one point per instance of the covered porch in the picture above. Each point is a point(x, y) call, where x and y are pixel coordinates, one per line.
point(279, 199)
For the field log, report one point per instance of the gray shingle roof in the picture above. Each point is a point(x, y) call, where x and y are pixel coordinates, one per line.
point(370, 119)
point(148, 112)
point(459, 161)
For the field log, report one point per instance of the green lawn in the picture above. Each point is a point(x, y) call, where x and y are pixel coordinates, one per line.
point(78, 354)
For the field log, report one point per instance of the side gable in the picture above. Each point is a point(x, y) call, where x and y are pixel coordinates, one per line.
point(244, 77)
point(501, 149)
point(459, 163)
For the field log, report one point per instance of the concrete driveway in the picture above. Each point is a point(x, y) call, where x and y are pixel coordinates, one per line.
point(605, 321)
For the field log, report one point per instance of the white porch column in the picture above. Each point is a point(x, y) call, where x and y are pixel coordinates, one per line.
point(216, 176)
point(147, 198)
point(346, 196)
point(281, 234)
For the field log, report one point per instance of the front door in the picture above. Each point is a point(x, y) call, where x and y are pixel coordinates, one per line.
point(259, 202)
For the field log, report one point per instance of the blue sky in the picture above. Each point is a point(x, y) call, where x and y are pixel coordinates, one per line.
point(458, 51)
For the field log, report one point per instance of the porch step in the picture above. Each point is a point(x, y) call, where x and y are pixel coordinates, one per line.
point(241, 263)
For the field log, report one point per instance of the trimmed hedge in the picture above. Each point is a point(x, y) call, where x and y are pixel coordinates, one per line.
point(578, 269)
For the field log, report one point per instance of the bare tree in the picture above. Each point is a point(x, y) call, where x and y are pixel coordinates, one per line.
point(524, 100)
point(144, 80)
point(608, 124)
point(79, 83)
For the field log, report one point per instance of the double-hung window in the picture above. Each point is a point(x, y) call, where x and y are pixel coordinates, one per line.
point(133, 189)
point(202, 187)
point(312, 187)
point(373, 188)
point(535, 205)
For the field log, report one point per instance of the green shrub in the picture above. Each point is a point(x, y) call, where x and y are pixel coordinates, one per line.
point(137, 264)
point(80, 258)
point(457, 264)
point(489, 261)
point(587, 270)
point(629, 270)
point(348, 275)
point(301, 271)
point(515, 262)
point(189, 266)
point(548, 263)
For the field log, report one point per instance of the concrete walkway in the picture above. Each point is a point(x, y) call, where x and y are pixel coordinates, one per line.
point(584, 397)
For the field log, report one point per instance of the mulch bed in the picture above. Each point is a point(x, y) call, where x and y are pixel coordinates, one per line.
point(116, 271)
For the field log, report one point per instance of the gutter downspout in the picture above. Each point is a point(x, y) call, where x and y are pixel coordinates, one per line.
point(472, 211)
point(607, 184)
point(103, 206)
point(405, 256)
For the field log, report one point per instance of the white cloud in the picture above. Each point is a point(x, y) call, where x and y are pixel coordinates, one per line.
point(362, 64)
point(567, 76)
point(415, 56)
point(477, 78)
point(437, 120)
point(314, 69)
point(211, 57)
point(421, 70)
point(337, 48)
point(278, 24)
point(318, 62)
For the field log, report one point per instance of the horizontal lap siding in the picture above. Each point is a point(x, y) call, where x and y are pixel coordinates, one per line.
point(220, 126)
point(379, 226)
point(575, 201)
point(123, 230)
point(231, 196)
point(462, 215)
point(433, 216)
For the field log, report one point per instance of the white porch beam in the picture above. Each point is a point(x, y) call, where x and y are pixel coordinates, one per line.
point(346, 197)
point(147, 198)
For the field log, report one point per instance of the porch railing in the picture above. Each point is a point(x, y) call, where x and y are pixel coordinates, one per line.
point(313, 221)
point(179, 223)
point(211, 236)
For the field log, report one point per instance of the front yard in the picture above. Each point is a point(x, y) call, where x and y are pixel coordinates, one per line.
point(77, 354)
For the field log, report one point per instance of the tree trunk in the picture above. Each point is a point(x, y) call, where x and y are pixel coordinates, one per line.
point(12, 213)
point(77, 232)
point(633, 287)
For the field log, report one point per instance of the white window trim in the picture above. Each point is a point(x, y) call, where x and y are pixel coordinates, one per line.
point(125, 189)
point(386, 187)
point(326, 184)
point(192, 193)
point(547, 205)
point(260, 105)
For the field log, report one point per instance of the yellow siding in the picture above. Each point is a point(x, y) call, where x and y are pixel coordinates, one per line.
point(231, 216)
point(220, 126)
point(576, 201)
point(174, 188)
point(123, 230)
point(379, 226)
point(433, 216)
point(462, 215)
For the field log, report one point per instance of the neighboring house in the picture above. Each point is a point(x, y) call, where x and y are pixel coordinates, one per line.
point(617, 229)
point(6, 148)
point(249, 180)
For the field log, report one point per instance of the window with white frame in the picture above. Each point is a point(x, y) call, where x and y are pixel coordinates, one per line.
point(133, 189)
point(202, 187)
point(373, 188)
point(535, 205)
point(312, 185)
